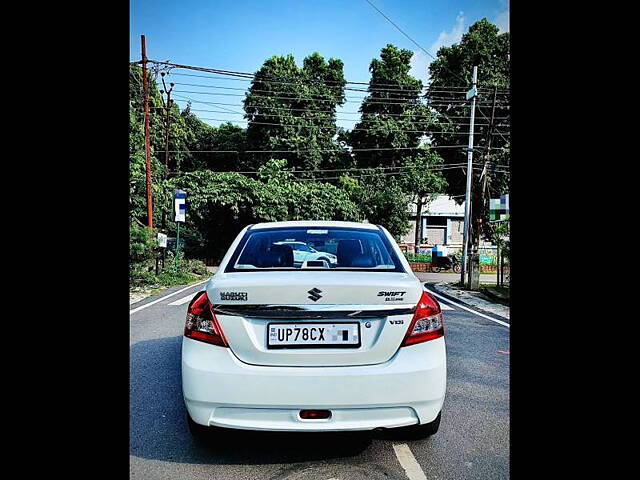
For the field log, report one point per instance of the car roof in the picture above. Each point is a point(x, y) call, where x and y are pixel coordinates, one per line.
point(314, 223)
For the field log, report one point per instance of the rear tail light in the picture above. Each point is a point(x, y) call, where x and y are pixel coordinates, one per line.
point(427, 323)
point(202, 323)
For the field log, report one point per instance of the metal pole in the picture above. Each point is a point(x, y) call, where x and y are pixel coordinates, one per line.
point(147, 135)
point(166, 147)
point(467, 197)
point(178, 247)
point(498, 265)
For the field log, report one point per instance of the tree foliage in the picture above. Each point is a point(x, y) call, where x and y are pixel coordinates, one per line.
point(214, 148)
point(395, 119)
point(393, 115)
point(219, 205)
point(482, 46)
point(293, 108)
point(419, 177)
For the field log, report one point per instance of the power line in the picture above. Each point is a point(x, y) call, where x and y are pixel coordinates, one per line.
point(400, 30)
point(286, 108)
point(371, 88)
point(404, 102)
point(435, 147)
point(329, 97)
point(323, 179)
point(426, 132)
point(250, 76)
point(367, 169)
point(407, 35)
point(361, 120)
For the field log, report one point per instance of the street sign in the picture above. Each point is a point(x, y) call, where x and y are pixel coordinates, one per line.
point(499, 208)
point(440, 251)
point(162, 240)
point(472, 93)
point(179, 200)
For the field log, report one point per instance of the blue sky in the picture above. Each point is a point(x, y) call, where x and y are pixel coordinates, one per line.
point(241, 34)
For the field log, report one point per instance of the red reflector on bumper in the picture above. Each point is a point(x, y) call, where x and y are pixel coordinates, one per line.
point(315, 414)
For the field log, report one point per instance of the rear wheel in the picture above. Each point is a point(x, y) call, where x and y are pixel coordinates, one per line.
point(457, 268)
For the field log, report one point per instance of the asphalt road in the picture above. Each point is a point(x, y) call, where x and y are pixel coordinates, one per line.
point(472, 443)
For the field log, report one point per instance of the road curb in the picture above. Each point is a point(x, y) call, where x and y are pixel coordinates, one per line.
point(494, 297)
point(433, 287)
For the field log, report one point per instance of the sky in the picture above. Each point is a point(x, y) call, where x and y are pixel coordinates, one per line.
point(240, 35)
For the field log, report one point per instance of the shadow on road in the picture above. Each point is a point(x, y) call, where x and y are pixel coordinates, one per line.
point(158, 427)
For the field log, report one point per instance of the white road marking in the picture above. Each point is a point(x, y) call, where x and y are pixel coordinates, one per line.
point(183, 300)
point(166, 296)
point(468, 309)
point(409, 462)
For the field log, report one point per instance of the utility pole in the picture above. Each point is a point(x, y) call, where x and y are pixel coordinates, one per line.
point(167, 105)
point(147, 141)
point(474, 276)
point(467, 197)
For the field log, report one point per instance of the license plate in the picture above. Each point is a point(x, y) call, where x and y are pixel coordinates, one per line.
point(313, 335)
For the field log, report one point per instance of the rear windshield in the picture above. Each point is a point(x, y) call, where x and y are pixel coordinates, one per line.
point(314, 248)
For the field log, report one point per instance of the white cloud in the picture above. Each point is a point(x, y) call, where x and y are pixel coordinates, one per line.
point(419, 65)
point(420, 60)
point(454, 36)
point(502, 20)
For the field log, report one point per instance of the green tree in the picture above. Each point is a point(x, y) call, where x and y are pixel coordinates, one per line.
point(394, 118)
point(381, 200)
point(180, 134)
point(294, 109)
point(224, 141)
point(482, 46)
point(393, 114)
point(219, 205)
point(424, 182)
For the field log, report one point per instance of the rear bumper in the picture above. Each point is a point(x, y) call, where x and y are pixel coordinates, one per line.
point(220, 390)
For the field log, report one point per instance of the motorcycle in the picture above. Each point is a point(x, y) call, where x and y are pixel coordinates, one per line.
point(447, 263)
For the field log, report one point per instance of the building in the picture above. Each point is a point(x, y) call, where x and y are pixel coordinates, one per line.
point(442, 224)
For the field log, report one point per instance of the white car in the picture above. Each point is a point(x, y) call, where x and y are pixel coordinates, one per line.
point(303, 252)
point(358, 345)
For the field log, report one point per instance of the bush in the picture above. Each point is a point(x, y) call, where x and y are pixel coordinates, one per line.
point(195, 266)
point(420, 258)
point(141, 244)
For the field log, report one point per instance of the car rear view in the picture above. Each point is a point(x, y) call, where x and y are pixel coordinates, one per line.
point(346, 339)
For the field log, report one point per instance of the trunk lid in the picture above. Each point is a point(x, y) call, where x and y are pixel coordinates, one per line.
point(381, 303)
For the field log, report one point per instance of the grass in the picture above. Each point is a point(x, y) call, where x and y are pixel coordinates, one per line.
point(143, 278)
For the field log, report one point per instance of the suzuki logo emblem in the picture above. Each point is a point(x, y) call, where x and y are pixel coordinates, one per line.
point(314, 294)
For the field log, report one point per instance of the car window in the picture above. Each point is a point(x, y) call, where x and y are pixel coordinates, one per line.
point(333, 248)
